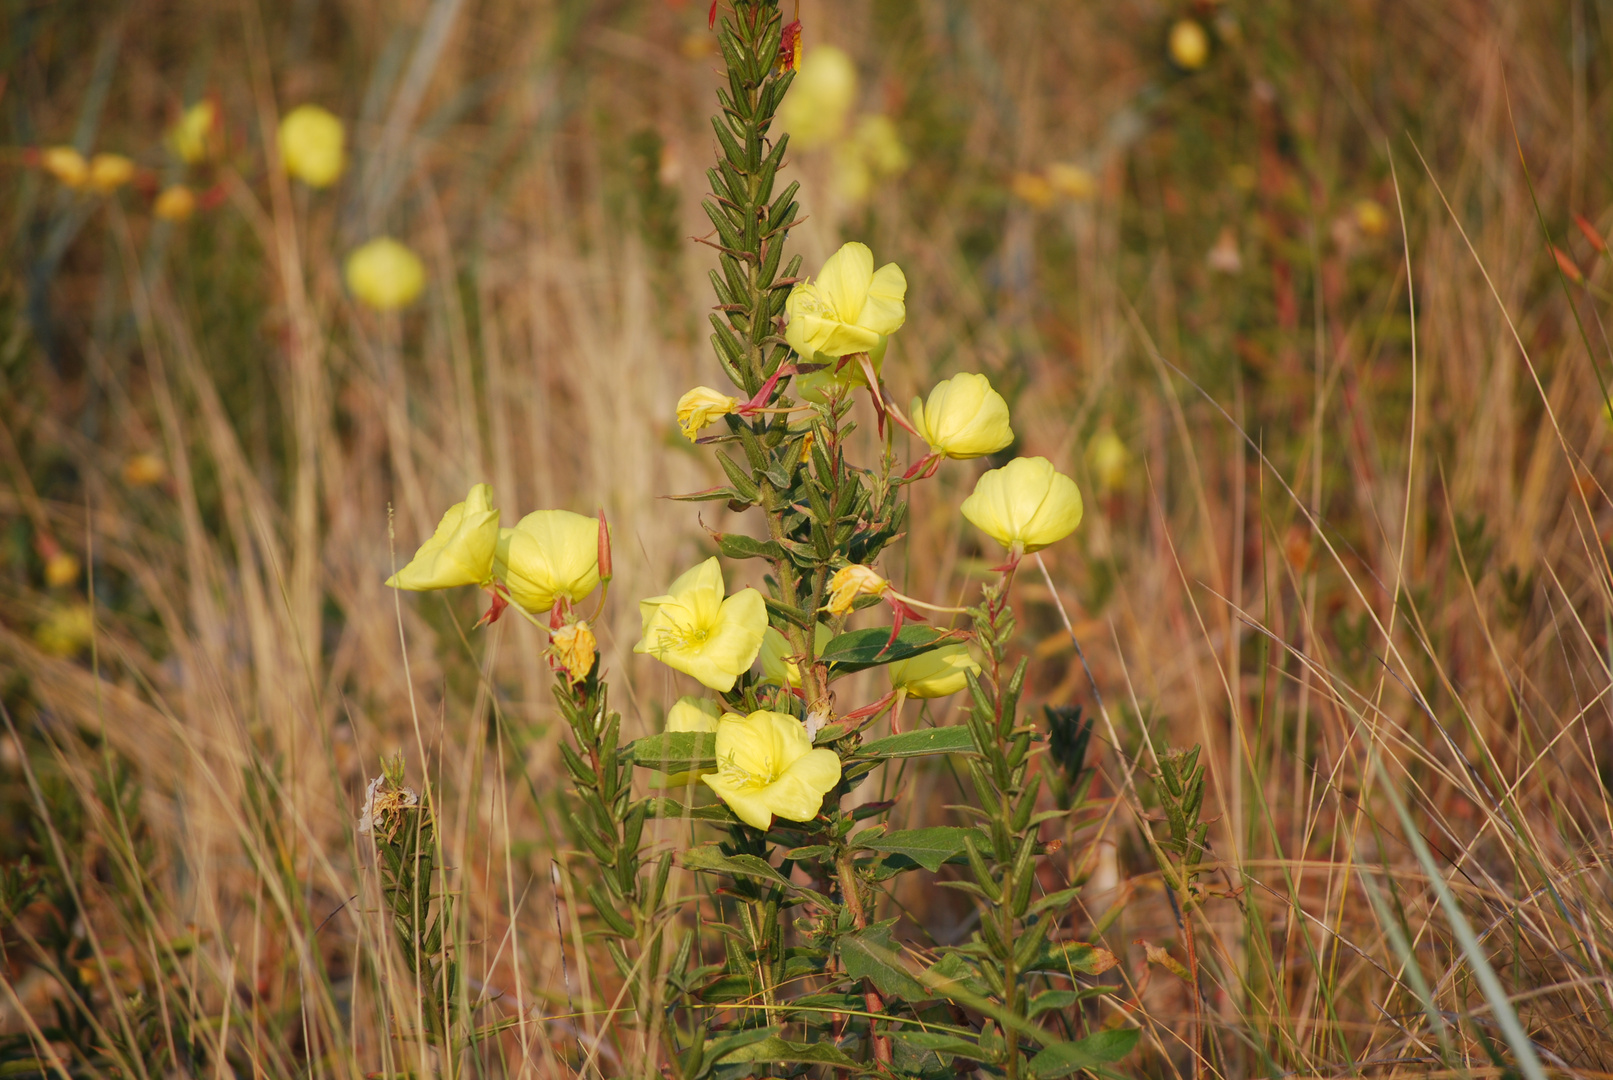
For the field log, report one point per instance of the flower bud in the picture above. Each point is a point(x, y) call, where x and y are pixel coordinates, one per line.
point(964, 418)
point(1025, 505)
point(700, 407)
point(67, 165)
point(108, 172)
point(1108, 458)
point(385, 274)
point(460, 552)
point(850, 582)
point(938, 673)
point(549, 554)
point(573, 649)
point(311, 145)
point(176, 203)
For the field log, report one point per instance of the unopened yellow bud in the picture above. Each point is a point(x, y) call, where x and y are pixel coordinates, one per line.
point(176, 203)
point(61, 569)
point(385, 274)
point(66, 164)
point(191, 136)
point(1189, 45)
point(574, 649)
point(964, 418)
point(1025, 505)
point(143, 470)
point(108, 172)
point(311, 145)
point(850, 582)
point(700, 407)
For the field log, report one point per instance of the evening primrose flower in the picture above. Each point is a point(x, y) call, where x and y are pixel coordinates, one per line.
point(66, 164)
point(815, 109)
point(574, 648)
point(385, 274)
point(1025, 505)
point(778, 663)
point(548, 555)
point(460, 552)
point(61, 569)
point(1071, 181)
point(143, 470)
point(767, 768)
point(851, 308)
point(1189, 45)
point(108, 172)
point(1107, 458)
point(190, 135)
point(693, 629)
point(311, 145)
point(850, 582)
point(938, 673)
point(175, 203)
point(700, 407)
point(964, 418)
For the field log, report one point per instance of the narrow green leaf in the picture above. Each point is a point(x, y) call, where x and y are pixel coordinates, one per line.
point(862, 649)
point(920, 742)
point(774, 1050)
point(1102, 1048)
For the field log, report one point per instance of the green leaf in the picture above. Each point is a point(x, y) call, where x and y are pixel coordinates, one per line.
point(921, 742)
point(1102, 1048)
point(675, 751)
point(939, 1042)
point(712, 860)
point(673, 810)
point(927, 847)
point(1063, 999)
point(871, 954)
point(866, 648)
point(775, 1050)
point(740, 546)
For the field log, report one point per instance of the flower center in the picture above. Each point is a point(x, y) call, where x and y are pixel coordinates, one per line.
point(732, 771)
point(680, 637)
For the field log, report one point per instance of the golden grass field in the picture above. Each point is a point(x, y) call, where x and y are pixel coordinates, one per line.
point(1357, 548)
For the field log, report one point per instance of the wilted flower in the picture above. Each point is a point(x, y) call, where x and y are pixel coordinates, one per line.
point(143, 470)
point(175, 203)
point(190, 136)
point(460, 552)
point(574, 648)
point(700, 407)
point(777, 655)
point(1108, 458)
point(815, 109)
point(1071, 181)
point(385, 274)
point(311, 145)
point(1025, 505)
point(851, 308)
point(385, 800)
point(61, 569)
point(548, 555)
point(693, 629)
point(964, 418)
point(850, 582)
point(66, 630)
point(108, 172)
point(1189, 45)
point(66, 164)
point(938, 673)
point(767, 767)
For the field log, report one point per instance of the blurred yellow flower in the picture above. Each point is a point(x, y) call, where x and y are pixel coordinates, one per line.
point(938, 673)
point(693, 629)
point(62, 569)
point(690, 714)
point(814, 110)
point(66, 630)
point(1071, 181)
point(1371, 218)
point(191, 136)
point(108, 172)
point(874, 151)
point(1025, 505)
point(385, 274)
point(778, 663)
point(460, 552)
point(66, 164)
point(175, 203)
point(1108, 459)
point(548, 555)
point(143, 470)
point(851, 308)
point(700, 407)
point(1034, 188)
point(850, 582)
point(767, 767)
point(964, 418)
point(1189, 45)
point(574, 649)
point(311, 145)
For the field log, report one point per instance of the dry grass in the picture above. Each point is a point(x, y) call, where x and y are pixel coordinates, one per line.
point(1361, 552)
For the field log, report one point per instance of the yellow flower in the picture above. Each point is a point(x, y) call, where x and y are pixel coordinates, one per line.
point(767, 767)
point(690, 714)
point(176, 203)
point(385, 274)
point(964, 418)
point(874, 150)
point(815, 109)
point(1071, 181)
point(108, 172)
point(850, 582)
point(574, 648)
point(549, 554)
point(61, 569)
point(66, 164)
point(1025, 505)
point(700, 407)
point(1371, 217)
point(693, 629)
point(311, 145)
point(851, 308)
point(460, 552)
point(1107, 458)
point(143, 470)
point(190, 136)
point(1034, 188)
point(1189, 45)
point(778, 664)
point(66, 631)
point(938, 673)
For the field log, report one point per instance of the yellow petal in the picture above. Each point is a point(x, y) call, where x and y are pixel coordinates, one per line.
point(885, 310)
point(964, 418)
point(1027, 503)
point(460, 552)
point(549, 554)
point(843, 282)
point(935, 674)
point(693, 714)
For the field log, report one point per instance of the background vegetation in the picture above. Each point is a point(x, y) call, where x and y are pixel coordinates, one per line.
point(1328, 291)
